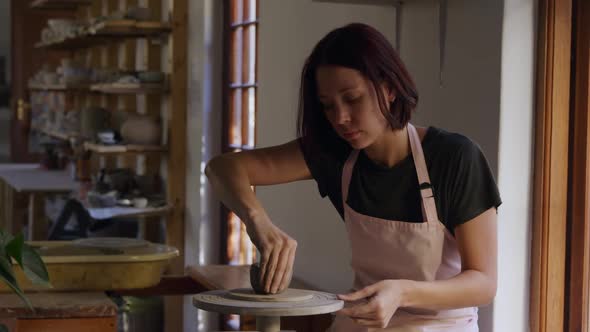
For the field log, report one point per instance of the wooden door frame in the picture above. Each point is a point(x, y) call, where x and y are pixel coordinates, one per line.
point(560, 272)
point(548, 249)
point(578, 266)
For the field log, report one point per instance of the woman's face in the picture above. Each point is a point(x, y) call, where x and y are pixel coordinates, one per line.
point(351, 106)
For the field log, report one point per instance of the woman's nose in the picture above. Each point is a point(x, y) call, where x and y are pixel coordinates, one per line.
point(341, 115)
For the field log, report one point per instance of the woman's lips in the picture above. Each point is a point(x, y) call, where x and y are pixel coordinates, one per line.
point(351, 134)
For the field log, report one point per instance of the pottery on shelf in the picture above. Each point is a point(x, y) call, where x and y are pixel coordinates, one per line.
point(141, 129)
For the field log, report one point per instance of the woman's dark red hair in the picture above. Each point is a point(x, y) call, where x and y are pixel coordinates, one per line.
point(361, 47)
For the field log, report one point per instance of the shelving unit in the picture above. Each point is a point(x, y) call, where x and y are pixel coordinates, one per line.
point(136, 46)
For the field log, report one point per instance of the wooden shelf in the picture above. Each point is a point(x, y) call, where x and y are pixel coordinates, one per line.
point(126, 88)
point(129, 28)
point(54, 134)
point(105, 32)
point(58, 87)
point(59, 4)
point(123, 149)
point(127, 212)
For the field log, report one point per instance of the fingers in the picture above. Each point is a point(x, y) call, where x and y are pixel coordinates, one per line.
point(373, 313)
point(277, 268)
point(265, 256)
point(280, 270)
point(286, 280)
point(271, 267)
point(365, 310)
point(358, 295)
point(284, 265)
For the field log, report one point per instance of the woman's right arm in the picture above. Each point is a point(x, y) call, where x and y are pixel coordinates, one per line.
point(231, 176)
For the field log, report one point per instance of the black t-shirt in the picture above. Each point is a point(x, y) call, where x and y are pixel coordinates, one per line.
point(464, 185)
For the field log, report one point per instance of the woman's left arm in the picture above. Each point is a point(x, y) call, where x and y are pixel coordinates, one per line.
point(474, 286)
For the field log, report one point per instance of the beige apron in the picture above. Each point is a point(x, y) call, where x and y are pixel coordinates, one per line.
point(390, 249)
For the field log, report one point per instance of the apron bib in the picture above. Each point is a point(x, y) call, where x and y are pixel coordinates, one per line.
point(391, 249)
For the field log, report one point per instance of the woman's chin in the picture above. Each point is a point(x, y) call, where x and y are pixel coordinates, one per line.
point(358, 144)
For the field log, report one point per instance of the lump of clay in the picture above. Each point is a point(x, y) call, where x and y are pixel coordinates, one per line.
point(255, 279)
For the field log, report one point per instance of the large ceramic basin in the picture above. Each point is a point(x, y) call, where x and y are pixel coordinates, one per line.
point(99, 264)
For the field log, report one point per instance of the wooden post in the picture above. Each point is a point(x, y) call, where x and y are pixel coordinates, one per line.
point(551, 167)
point(153, 107)
point(177, 130)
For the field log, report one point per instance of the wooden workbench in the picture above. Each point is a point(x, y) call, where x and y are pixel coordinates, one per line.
point(59, 312)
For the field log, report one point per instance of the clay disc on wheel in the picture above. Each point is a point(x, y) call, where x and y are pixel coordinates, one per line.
point(288, 295)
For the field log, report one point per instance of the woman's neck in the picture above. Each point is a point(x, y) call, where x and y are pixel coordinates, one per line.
point(390, 149)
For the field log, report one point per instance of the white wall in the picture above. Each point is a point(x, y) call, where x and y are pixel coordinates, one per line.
point(511, 307)
point(5, 34)
point(203, 141)
point(288, 31)
point(468, 101)
point(486, 95)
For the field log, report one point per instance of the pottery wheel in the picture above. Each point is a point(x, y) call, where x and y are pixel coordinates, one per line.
point(288, 295)
point(294, 302)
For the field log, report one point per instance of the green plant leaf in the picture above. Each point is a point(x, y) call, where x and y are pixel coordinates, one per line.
point(34, 266)
point(5, 238)
point(14, 249)
point(7, 275)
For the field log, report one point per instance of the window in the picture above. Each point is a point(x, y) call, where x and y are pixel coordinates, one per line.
point(239, 119)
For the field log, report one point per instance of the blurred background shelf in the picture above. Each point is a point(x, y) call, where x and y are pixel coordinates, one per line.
point(58, 87)
point(108, 31)
point(130, 148)
point(128, 212)
point(54, 134)
point(59, 4)
point(130, 88)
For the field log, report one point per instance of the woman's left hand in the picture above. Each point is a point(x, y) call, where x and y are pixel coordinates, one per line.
point(376, 303)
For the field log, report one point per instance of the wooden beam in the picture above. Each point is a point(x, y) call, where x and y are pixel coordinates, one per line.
point(551, 166)
point(177, 131)
point(153, 107)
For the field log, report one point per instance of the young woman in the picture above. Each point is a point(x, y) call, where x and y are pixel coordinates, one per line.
point(419, 203)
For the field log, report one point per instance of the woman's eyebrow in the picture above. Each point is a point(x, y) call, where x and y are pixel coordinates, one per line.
point(345, 89)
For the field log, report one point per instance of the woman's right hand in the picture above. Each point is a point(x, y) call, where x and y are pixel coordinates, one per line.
point(277, 250)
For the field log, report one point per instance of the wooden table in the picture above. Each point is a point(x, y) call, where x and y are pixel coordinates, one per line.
point(226, 277)
point(59, 312)
point(35, 182)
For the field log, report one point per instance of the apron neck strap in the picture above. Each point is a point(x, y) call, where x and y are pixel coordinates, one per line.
point(426, 190)
point(347, 174)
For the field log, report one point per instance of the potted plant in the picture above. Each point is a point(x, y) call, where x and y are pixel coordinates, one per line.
point(14, 249)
